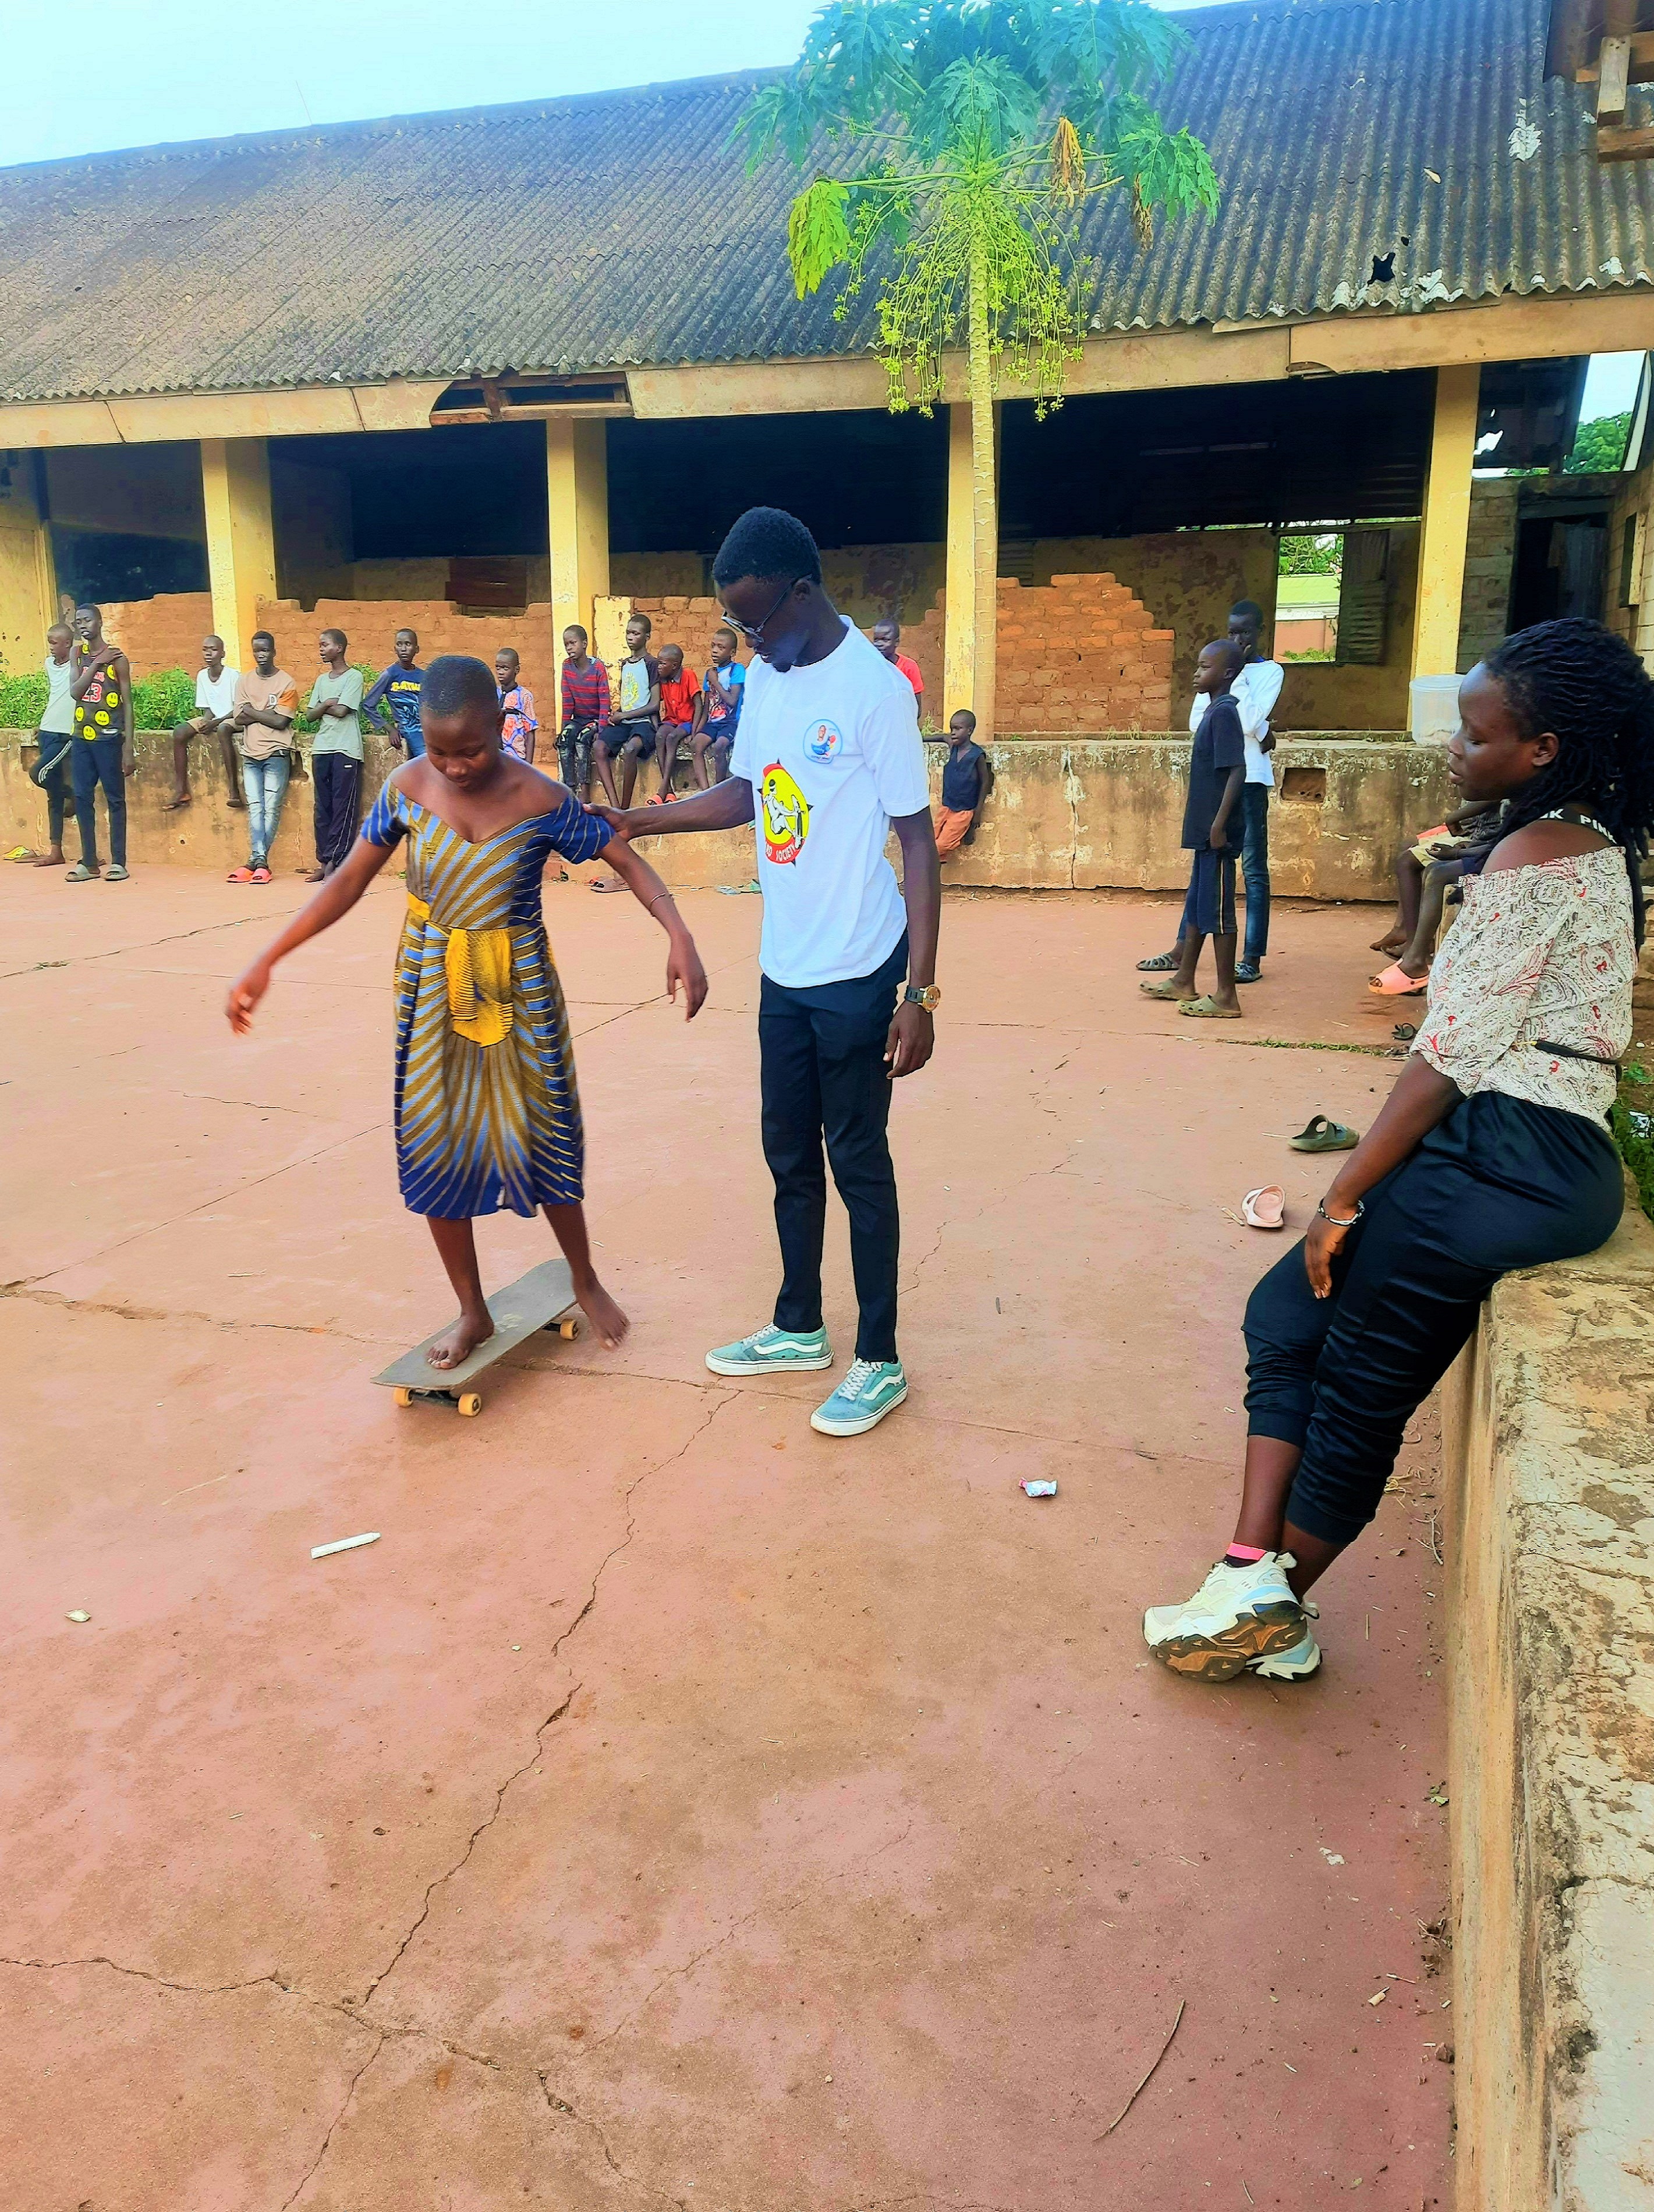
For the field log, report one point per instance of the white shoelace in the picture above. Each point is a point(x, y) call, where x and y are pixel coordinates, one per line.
point(862, 1372)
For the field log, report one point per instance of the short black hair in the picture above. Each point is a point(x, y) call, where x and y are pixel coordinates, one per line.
point(961, 714)
point(339, 634)
point(407, 630)
point(1249, 610)
point(637, 615)
point(89, 607)
point(268, 635)
point(454, 682)
point(579, 630)
point(767, 541)
point(213, 638)
point(60, 630)
point(510, 652)
point(890, 622)
point(1229, 652)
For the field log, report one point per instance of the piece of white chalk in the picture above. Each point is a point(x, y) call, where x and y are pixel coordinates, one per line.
point(344, 1544)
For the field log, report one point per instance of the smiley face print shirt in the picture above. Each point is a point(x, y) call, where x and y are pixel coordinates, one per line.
point(833, 754)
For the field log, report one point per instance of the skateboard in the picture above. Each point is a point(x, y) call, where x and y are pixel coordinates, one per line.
point(544, 1298)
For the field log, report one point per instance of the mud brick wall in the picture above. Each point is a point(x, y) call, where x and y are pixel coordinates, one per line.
point(1081, 652)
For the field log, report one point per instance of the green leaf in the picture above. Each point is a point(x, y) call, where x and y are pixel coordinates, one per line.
point(1171, 170)
point(818, 233)
point(978, 109)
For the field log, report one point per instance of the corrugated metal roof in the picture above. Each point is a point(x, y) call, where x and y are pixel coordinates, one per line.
point(620, 229)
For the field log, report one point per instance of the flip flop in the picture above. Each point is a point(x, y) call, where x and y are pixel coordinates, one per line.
point(1318, 1135)
point(1168, 990)
point(1404, 1032)
point(1209, 1010)
point(1164, 964)
point(1394, 983)
point(1265, 1208)
point(238, 876)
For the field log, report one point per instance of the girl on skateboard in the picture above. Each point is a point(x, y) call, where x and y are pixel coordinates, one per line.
point(486, 1111)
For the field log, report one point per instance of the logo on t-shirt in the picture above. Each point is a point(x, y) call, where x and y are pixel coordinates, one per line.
point(825, 741)
point(785, 813)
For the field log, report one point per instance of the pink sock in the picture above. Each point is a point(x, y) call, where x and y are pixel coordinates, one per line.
point(1244, 1555)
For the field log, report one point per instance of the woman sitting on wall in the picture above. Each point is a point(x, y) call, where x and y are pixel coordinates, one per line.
point(1491, 1152)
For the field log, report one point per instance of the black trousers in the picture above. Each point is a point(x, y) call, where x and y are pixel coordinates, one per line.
point(574, 755)
point(337, 779)
point(1500, 1184)
point(55, 785)
point(822, 1077)
point(92, 762)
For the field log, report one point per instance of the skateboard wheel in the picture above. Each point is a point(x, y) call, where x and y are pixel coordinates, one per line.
point(469, 1401)
point(403, 1397)
point(568, 1330)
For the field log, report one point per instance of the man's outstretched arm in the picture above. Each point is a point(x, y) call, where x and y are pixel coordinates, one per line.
point(912, 1036)
point(726, 806)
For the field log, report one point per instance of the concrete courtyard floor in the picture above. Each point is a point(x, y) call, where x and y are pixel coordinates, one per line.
point(675, 1806)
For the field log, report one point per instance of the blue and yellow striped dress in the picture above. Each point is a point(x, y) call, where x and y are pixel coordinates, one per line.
point(486, 1111)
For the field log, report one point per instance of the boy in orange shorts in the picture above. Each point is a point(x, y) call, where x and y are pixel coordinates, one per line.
point(967, 775)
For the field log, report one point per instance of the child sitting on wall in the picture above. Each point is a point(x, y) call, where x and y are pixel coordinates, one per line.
point(637, 705)
point(1425, 871)
point(967, 775)
point(584, 708)
point(724, 685)
point(683, 710)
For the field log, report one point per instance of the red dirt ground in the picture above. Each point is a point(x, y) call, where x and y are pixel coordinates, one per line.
point(677, 1807)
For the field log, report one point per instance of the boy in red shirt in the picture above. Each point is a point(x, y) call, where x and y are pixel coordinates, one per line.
point(683, 710)
point(887, 639)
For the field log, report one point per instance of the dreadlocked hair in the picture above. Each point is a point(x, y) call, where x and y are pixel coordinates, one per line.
point(1588, 687)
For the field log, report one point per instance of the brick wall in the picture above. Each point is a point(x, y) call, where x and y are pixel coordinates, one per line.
point(1081, 652)
point(1489, 559)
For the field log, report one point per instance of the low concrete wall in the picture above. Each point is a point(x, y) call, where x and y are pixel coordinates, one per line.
point(1549, 1539)
point(1082, 814)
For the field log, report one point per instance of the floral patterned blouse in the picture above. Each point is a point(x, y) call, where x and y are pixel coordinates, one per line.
point(1545, 950)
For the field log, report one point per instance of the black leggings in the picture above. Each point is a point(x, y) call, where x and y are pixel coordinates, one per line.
point(1500, 1184)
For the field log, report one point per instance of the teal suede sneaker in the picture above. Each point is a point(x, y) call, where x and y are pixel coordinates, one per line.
point(771, 1350)
point(871, 1389)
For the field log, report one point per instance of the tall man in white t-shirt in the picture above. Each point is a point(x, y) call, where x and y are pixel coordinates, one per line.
point(215, 702)
point(1256, 690)
point(827, 760)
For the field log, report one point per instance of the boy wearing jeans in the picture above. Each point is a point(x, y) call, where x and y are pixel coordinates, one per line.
point(1217, 771)
point(336, 753)
point(53, 740)
point(397, 689)
point(584, 708)
point(266, 700)
point(101, 685)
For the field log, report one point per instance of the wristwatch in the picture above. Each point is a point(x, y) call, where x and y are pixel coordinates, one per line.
point(923, 995)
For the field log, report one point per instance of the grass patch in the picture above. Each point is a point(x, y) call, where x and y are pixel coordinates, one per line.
point(1631, 1120)
point(160, 702)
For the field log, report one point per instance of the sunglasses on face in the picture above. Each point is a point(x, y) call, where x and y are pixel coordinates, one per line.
point(753, 631)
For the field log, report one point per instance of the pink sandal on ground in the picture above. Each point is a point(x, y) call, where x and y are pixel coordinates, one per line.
point(259, 876)
point(238, 876)
point(1265, 1208)
point(1394, 983)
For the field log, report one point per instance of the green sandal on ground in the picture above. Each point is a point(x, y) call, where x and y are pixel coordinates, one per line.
point(1163, 963)
point(80, 874)
point(1169, 989)
point(1321, 1135)
point(1209, 1010)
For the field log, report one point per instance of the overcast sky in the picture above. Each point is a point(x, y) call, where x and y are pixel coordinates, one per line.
point(141, 72)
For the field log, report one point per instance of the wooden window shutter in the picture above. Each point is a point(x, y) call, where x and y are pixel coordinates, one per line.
point(1363, 597)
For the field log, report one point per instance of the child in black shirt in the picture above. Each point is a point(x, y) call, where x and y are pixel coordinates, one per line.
point(966, 776)
point(1217, 769)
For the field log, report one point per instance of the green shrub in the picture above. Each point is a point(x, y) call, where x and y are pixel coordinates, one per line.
point(160, 701)
point(23, 700)
point(1633, 1133)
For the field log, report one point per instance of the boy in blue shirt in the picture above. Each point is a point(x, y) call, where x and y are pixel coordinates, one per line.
point(1217, 770)
point(722, 690)
point(399, 689)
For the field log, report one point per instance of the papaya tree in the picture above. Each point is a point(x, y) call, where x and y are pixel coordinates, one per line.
point(955, 147)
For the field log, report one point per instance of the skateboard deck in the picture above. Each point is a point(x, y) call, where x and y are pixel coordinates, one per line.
point(543, 1298)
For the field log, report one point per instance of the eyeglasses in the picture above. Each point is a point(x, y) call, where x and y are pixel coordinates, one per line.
point(753, 631)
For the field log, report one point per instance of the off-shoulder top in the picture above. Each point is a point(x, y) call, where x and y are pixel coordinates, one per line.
point(1545, 952)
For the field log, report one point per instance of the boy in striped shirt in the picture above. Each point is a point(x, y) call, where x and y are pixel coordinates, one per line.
point(585, 706)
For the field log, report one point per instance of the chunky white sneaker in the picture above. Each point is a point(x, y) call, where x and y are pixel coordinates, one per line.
point(771, 1350)
point(1238, 1614)
point(1296, 1665)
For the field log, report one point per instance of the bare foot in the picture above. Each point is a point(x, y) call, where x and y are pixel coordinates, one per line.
point(54, 858)
point(239, 805)
point(600, 1310)
point(178, 799)
point(459, 1342)
point(1393, 940)
point(314, 875)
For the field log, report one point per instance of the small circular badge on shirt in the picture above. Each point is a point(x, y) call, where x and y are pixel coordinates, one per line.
point(824, 741)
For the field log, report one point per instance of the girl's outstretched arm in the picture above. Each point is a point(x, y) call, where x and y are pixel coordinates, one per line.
point(336, 897)
point(682, 960)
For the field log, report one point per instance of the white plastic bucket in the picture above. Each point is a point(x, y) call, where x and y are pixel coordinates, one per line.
point(1433, 708)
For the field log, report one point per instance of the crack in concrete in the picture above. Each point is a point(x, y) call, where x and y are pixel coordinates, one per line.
point(309, 2174)
point(551, 1718)
point(121, 1310)
point(560, 2105)
point(161, 1981)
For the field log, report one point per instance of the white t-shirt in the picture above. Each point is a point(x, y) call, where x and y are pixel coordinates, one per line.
point(832, 753)
point(216, 698)
point(1256, 690)
point(59, 714)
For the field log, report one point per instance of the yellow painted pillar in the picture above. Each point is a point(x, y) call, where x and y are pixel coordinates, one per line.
point(240, 539)
point(1446, 531)
point(577, 516)
point(29, 590)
